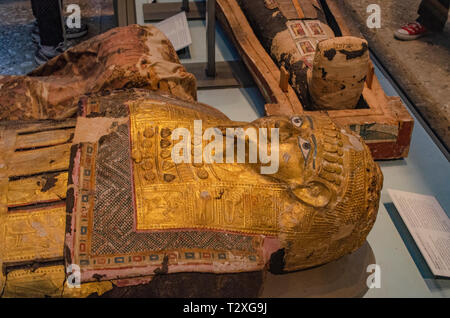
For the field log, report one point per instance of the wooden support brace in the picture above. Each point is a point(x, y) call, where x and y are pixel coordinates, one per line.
point(370, 75)
point(284, 79)
point(297, 6)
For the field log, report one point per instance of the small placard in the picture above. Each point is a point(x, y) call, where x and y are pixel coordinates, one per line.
point(176, 28)
point(429, 225)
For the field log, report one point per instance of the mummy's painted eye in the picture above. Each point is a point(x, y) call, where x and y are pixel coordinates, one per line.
point(297, 121)
point(305, 147)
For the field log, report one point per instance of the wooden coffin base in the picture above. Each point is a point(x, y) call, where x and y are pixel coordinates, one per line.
point(386, 125)
point(34, 164)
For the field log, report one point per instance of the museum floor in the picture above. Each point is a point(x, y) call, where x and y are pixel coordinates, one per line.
point(426, 171)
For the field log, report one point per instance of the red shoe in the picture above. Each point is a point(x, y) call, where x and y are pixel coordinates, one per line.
point(411, 31)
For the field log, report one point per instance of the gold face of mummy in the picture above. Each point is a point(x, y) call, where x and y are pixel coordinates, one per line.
point(312, 154)
point(297, 144)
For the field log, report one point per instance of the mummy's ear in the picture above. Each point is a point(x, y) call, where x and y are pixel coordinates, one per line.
point(314, 193)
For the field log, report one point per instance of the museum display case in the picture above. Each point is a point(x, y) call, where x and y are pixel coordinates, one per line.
point(263, 159)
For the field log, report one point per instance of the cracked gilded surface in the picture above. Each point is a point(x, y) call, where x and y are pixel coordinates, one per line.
point(32, 239)
point(48, 282)
point(327, 185)
point(43, 188)
point(328, 200)
point(326, 166)
point(7, 140)
point(36, 234)
point(320, 204)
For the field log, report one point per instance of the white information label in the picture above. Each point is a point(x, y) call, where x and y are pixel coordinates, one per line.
point(176, 28)
point(429, 225)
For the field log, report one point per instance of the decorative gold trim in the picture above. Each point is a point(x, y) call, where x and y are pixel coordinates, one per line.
point(49, 188)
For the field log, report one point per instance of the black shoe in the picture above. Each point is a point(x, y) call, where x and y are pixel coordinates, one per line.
point(46, 53)
point(75, 33)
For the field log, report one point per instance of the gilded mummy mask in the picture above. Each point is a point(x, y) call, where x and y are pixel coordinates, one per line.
point(318, 206)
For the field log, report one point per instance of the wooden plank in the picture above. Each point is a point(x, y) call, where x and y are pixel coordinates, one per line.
point(341, 19)
point(370, 75)
point(7, 141)
point(39, 189)
point(299, 9)
point(44, 138)
point(284, 79)
point(34, 235)
point(24, 127)
point(31, 162)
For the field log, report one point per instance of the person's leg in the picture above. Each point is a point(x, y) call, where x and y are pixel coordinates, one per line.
point(51, 34)
point(33, 8)
point(433, 14)
point(48, 16)
point(432, 18)
point(71, 33)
